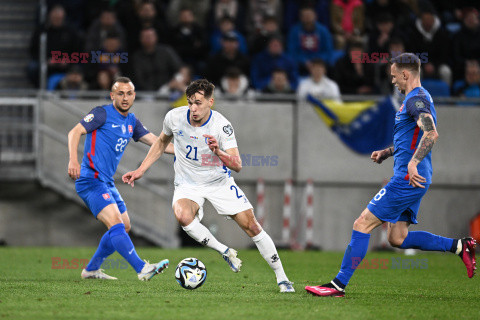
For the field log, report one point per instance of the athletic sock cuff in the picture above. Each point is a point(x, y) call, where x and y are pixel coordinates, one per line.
point(116, 229)
point(358, 234)
point(259, 236)
point(192, 225)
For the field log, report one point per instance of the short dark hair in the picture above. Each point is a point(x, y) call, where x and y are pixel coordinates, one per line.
point(121, 80)
point(233, 72)
point(408, 61)
point(200, 85)
point(318, 61)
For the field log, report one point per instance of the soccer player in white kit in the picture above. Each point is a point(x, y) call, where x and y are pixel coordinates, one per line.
point(200, 136)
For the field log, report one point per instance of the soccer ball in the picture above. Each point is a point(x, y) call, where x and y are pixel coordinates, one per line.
point(191, 273)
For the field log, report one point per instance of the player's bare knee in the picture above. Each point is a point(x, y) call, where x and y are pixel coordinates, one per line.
point(183, 216)
point(127, 227)
point(395, 240)
point(359, 224)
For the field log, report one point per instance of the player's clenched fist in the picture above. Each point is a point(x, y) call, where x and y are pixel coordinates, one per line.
point(74, 170)
point(380, 155)
point(212, 143)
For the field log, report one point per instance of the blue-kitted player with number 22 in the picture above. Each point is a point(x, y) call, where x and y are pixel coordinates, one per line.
point(109, 128)
point(398, 203)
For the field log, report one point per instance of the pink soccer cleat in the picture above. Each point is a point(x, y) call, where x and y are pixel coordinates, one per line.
point(468, 255)
point(325, 290)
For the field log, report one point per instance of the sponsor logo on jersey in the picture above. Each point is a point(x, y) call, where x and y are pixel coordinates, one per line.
point(115, 125)
point(106, 196)
point(180, 133)
point(130, 128)
point(228, 129)
point(193, 137)
point(124, 129)
point(89, 117)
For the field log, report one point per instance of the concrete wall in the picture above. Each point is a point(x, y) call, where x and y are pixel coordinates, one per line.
point(344, 180)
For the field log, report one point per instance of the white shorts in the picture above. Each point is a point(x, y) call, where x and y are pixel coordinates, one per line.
point(227, 198)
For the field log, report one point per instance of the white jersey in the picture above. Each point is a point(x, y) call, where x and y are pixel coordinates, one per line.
point(195, 164)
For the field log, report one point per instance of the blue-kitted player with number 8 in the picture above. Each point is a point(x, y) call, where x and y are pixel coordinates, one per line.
point(109, 128)
point(206, 150)
point(397, 204)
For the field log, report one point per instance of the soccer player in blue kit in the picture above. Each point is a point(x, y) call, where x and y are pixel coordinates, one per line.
point(398, 202)
point(109, 128)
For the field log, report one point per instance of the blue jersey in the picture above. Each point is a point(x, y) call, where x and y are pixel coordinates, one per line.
point(108, 133)
point(407, 135)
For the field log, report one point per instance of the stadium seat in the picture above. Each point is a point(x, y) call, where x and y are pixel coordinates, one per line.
point(337, 54)
point(53, 81)
point(437, 88)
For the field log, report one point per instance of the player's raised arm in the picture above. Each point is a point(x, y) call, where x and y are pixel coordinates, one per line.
point(155, 152)
point(429, 137)
point(149, 139)
point(230, 157)
point(73, 141)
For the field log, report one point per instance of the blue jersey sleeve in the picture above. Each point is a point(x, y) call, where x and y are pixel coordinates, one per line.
point(94, 119)
point(417, 105)
point(139, 131)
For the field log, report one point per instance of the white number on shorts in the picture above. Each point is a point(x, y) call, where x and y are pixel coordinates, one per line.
point(380, 194)
point(236, 191)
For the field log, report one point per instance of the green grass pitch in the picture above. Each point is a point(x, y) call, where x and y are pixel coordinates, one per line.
point(31, 289)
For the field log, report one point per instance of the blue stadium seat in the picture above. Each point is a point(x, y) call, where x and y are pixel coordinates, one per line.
point(53, 81)
point(437, 88)
point(337, 54)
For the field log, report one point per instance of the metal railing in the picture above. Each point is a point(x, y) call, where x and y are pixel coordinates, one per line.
point(17, 130)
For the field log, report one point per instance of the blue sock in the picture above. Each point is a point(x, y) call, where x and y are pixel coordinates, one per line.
point(105, 248)
point(123, 245)
point(356, 251)
point(427, 241)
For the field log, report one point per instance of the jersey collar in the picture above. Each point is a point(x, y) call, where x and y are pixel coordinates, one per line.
point(115, 109)
point(188, 118)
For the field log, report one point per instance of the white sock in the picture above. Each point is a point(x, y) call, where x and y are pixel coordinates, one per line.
point(201, 234)
point(268, 251)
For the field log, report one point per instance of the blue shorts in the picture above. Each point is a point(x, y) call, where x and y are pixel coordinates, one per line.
point(397, 201)
point(98, 194)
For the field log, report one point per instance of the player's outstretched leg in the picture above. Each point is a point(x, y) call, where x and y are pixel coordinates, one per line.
point(105, 249)
point(246, 220)
point(400, 237)
point(197, 231)
point(186, 213)
point(123, 244)
point(354, 254)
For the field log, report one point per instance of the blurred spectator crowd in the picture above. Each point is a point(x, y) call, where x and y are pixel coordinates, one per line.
point(325, 47)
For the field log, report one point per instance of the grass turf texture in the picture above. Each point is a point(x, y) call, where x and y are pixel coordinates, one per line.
point(31, 289)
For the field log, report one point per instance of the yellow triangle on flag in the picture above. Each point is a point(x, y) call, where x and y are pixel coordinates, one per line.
point(346, 112)
point(182, 101)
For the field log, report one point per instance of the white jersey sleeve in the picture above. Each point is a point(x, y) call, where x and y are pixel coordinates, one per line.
point(167, 123)
point(226, 136)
